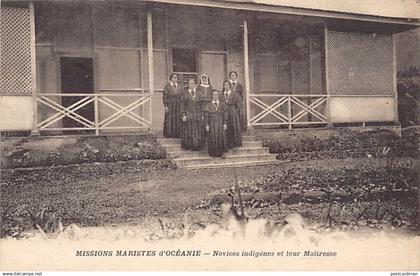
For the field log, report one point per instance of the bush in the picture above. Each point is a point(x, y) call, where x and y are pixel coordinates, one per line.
point(342, 145)
point(409, 97)
point(49, 151)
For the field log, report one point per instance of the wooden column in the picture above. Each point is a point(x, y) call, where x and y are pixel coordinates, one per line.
point(394, 78)
point(310, 65)
point(34, 88)
point(327, 81)
point(150, 58)
point(246, 73)
point(141, 52)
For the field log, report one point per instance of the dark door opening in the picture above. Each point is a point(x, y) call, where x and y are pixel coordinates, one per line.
point(77, 77)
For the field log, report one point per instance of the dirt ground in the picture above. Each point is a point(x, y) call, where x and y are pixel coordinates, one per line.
point(139, 192)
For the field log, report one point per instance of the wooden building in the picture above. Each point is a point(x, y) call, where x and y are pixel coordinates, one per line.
point(100, 67)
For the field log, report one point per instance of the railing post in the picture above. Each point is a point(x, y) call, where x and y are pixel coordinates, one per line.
point(150, 58)
point(289, 110)
point(34, 87)
point(96, 114)
point(246, 73)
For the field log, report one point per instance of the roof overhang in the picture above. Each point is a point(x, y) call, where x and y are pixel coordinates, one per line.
point(258, 7)
point(393, 24)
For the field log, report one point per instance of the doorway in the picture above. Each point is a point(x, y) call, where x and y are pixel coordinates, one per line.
point(214, 65)
point(77, 77)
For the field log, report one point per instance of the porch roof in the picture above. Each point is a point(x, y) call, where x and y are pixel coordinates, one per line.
point(386, 8)
point(405, 12)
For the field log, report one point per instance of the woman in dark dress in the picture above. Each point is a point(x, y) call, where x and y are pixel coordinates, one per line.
point(204, 94)
point(237, 87)
point(216, 125)
point(172, 102)
point(204, 90)
point(192, 121)
point(233, 104)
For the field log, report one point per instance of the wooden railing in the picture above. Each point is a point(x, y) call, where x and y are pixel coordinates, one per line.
point(287, 109)
point(94, 111)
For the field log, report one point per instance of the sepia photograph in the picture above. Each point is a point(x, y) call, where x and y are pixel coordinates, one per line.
point(210, 135)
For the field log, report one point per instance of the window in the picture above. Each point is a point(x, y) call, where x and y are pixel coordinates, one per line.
point(184, 60)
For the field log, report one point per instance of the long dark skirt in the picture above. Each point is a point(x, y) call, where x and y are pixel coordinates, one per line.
point(242, 118)
point(234, 129)
point(203, 105)
point(192, 132)
point(217, 142)
point(172, 121)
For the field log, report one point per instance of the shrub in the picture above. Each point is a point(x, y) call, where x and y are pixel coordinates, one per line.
point(409, 96)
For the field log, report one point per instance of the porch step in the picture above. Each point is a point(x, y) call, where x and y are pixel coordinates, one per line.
point(234, 165)
point(169, 141)
point(175, 141)
point(250, 154)
point(173, 147)
point(207, 160)
point(232, 152)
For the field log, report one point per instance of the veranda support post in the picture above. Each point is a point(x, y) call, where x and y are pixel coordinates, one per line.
point(246, 72)
point(150, 58)
point(327, 82)
point(394, 76)
point(34, 88)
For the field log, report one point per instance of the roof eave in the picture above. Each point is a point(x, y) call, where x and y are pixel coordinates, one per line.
point(292, 11)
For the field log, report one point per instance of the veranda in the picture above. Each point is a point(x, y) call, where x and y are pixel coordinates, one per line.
point(100, 67)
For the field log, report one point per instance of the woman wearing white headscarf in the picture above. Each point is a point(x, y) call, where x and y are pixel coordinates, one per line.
point(204, 89)
point(204, 95)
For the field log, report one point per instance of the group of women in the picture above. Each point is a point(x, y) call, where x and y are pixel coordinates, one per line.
point(201, 115)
